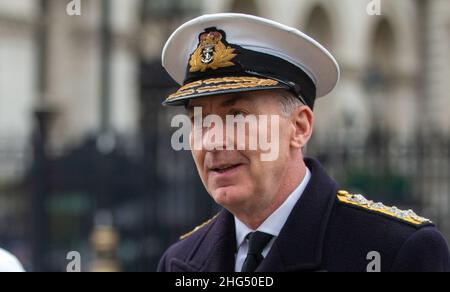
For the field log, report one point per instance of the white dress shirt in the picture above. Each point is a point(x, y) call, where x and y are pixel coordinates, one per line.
point(272, 225)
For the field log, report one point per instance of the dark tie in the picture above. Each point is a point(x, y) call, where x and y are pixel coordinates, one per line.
point(257, 241)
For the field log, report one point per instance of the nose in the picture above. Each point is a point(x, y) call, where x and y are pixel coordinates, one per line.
point(215, 137)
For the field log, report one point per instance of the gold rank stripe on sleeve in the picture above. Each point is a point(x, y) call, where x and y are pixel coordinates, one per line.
point(198, 228)
point(360, 201)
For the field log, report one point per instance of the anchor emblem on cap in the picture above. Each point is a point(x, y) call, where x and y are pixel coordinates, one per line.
point(208, 54)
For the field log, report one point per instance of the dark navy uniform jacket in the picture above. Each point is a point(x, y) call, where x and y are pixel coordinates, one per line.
point(323, 233)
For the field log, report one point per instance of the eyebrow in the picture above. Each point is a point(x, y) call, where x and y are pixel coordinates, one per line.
point(230, 102)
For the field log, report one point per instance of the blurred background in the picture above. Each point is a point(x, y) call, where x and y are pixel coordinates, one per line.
point(85, 158)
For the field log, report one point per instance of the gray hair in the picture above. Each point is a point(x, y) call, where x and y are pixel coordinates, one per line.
point(289, 102)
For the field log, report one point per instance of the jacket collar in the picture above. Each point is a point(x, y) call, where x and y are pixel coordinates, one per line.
point(298, 247)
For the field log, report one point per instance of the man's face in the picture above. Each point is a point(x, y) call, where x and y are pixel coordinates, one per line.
point(240, 178)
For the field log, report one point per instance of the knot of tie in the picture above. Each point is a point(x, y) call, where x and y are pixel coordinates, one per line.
point(257, 241)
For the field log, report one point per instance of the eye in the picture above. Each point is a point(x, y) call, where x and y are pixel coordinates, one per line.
point(237, 113)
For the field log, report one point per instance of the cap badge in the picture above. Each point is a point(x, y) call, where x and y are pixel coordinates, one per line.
point(211, 53)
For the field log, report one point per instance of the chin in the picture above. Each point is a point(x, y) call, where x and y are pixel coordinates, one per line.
point(229, 196)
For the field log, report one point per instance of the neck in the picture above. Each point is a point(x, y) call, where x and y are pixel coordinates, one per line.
point(254, 216)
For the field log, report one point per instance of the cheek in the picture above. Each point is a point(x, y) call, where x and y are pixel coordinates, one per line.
point(255, 175)
point(265, 174)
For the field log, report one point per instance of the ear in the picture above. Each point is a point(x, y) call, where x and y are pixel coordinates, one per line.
point(302, 120)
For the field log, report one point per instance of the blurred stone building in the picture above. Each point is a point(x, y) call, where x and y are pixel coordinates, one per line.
point(97, 77)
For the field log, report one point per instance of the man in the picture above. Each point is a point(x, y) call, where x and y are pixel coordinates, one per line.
point(284, 214)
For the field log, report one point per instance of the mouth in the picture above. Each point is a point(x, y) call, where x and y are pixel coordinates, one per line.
point(226, 168)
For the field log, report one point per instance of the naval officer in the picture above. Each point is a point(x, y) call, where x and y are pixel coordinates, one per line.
point(285, 214)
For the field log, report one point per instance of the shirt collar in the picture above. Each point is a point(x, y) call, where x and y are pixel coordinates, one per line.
point(275, 222)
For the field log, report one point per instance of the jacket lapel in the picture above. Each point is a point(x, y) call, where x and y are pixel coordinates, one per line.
point(223, 245)
point(215, 251)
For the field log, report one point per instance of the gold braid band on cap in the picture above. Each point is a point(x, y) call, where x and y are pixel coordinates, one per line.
point(218, 84)
point(198, 228)
point(181, 94)
point(233, 79)
point(358, 200)
point(260, 83)
point(191, 85)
